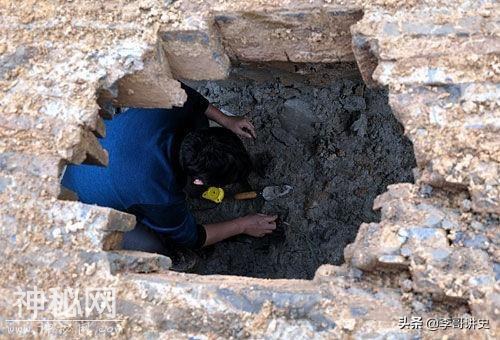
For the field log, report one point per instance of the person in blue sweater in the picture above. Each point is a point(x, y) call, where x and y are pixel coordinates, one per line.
point(152, 155)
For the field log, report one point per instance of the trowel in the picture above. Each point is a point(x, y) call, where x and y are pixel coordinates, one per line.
point(268, 193)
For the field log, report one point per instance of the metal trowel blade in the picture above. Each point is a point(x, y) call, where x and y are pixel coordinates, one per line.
point(272, 192)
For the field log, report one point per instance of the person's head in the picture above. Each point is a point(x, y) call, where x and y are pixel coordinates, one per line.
point(214, 156)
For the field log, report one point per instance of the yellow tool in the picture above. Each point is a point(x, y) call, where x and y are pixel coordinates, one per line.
point(214, 194)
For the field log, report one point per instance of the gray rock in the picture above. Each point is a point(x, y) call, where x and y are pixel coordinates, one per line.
point(406, 251)
point(360, 125)
point(357, 273)
point(433, 220)
point(457, 237)
point(478, 241)
point(284, 137)
point(392, 259)
point(297, 118)
point(354, 103)
point(434, 216)
point(481, 280)
point(440, 254)
point(298, 106)
point(477, 225)
point(358, 311)
point(466, 205)
point(407, 285)
point(447, 224)
point(423, 233)
point(402, 239)
point(418, 306)
point(496, 269)
point(20, 56)
point(403, 233)
point(4, 183)
point(425, 190)
point(391, 29)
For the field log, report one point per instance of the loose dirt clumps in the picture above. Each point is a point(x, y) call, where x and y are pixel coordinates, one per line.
point(335, 141)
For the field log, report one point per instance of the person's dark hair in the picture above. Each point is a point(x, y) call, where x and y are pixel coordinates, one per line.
point(215, 155)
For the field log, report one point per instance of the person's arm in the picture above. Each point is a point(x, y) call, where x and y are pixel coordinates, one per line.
point(239, 125)
point(257, 225)
point(178, 223)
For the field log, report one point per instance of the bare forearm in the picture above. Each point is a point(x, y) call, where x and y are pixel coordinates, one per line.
point(220, 231)
point(239, 125)
point(216, 115)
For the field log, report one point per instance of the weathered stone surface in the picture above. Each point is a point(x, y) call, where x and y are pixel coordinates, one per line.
point(274, 308)
point(420, 235)
point(137, 262)
point(302, 34)
point(153, 86)
point(467, 156)
point(195, 53)
point(443, 74)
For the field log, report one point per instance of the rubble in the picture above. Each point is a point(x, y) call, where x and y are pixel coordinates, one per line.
point(307, 139)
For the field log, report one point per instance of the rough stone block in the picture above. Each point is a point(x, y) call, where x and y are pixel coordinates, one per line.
point(297, 118)
point(459, 274)
point(365, 58)
point(96, 228)
point(137, 262)
point(300, 35)
point(29, 176)
point(195, 54)
point(153, 86)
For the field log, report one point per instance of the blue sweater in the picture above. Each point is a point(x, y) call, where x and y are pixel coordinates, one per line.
point(143, 176)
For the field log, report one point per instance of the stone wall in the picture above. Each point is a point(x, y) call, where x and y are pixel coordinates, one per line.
point(435, 251)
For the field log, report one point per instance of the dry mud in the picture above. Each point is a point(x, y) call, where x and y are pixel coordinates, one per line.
point(335, 141)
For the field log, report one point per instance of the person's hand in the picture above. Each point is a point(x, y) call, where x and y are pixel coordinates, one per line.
point(258, 225)
point(241, 126)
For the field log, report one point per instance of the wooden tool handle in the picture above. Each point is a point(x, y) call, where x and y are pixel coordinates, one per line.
point(246, 195)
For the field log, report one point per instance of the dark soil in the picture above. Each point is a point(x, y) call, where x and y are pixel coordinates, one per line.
point(336, 142)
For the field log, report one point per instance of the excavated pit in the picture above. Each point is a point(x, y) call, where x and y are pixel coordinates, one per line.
point(321, 130)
